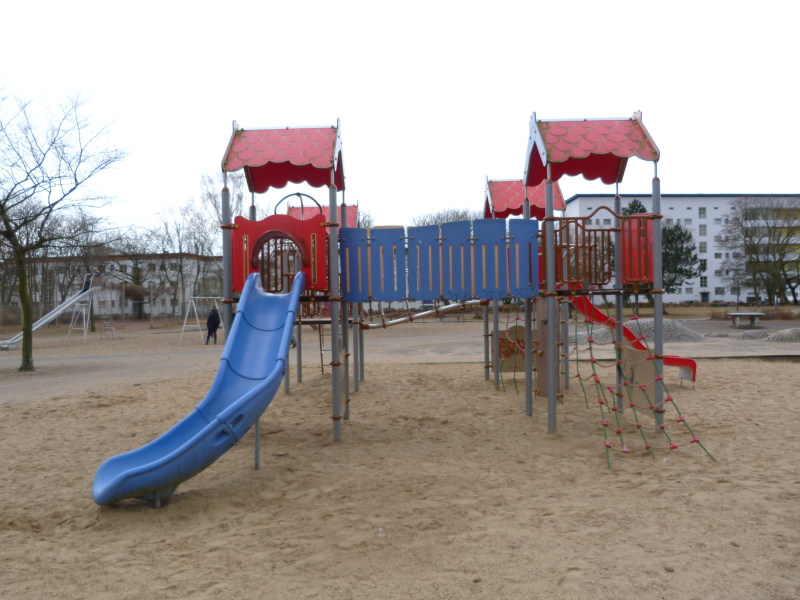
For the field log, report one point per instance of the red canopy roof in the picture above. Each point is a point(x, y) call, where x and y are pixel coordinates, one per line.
point(308, 212)
point(597, 148)
point(504, 197)
point(275, 157)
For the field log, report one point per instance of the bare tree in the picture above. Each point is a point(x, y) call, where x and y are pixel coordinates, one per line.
point(735, 274)
point(45, 166)
point(448, 215)
point(764, 229)
point(365, 219)
point(210, 194)
point(135, 250)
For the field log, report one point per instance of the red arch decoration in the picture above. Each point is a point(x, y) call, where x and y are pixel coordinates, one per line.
point(310, 236)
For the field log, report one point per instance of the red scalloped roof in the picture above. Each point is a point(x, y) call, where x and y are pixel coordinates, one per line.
point(596, 149)
point(505, 197)
point(275, 157)
point(308, 212)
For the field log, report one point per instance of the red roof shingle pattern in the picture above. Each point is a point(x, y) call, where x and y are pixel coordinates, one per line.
point(579, 139)
point(505, 197)
point(314, 146)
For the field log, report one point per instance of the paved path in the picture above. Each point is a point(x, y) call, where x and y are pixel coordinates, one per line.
point(417, 343)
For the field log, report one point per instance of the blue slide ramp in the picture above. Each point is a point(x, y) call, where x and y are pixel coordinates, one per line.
point(250, 373)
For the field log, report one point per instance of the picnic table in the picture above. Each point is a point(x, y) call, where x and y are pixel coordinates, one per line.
point(739, 315)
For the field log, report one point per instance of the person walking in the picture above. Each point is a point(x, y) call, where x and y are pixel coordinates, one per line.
point(212, 324)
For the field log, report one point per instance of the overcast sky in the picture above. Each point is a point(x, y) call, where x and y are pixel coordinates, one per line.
point(433, 97)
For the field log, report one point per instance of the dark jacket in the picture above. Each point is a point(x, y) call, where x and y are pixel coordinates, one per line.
point(213, 321)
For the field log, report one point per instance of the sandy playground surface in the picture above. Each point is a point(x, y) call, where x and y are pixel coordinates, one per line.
point(442, 487)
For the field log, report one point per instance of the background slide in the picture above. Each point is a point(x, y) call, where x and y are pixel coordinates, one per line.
point(14, 341)
point(584, 305)
point(250, 372)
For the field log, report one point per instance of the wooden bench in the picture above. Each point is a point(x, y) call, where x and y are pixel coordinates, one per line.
point(739, 315)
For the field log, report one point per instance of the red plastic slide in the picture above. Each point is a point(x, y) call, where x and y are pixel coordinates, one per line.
point(584, 305)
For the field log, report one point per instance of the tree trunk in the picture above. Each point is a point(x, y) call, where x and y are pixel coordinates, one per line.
point(26, 302)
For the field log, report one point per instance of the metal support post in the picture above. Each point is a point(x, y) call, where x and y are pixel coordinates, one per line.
point(486, 343)
point(257, 445)
point(528, 305)
point(618, 298)
point(227, 272)
point(496, 342)
point(345, 334)
point(552, 314)
point(299, 340)
point(658, 299)
point(565, 343)
point(333, 265)
point(356, 350)
point(361, 346)
point(286, 374)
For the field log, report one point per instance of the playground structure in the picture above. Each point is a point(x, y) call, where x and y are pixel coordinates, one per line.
point(81, 305)
point(294, 262)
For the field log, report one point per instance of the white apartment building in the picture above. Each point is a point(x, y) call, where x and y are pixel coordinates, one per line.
point(702, 214)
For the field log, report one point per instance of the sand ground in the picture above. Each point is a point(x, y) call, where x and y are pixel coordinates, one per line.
point(442, 487)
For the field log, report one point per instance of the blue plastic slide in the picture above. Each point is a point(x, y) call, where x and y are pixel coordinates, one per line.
point(251, 370)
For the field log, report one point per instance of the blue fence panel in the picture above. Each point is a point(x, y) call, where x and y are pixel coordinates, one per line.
point(524, 255)
point(457, 260)
point(490, 259)
point(423, 263)
point(387, 264)
point(353, 258)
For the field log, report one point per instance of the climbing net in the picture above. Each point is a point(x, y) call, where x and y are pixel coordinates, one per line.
point(630, 364)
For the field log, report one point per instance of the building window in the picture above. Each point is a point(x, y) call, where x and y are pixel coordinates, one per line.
point(701, 213)
point(727, 255)
point(152, 266)
point(164, 302)
point(689, 290)
point(703, 247)
point(717, 221)
point(671, 207)
point(703, 281)
point(737, 255)
point(113, 303)
point(735, 291)
point(718, 273)
point(687, 221)
point(703, 265)
point(717, 254)
point(606, 221)
point(719, 291)
point(123, 268)
point(703, 230)
point(716, 208)
point(588, 208)
point(669, 221)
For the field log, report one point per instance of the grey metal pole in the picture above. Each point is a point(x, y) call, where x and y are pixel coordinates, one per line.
point(658, 298)
point(286, 375)
point(345, 332)
point(227, 279)
point(361, 346)
point(618, 285)
point(299, 339)
point(333, 267)
point(552, 315)
point(252, 206)
point(257, 445)
point(564, 310)
point(486, 334)
point(496, 342)
point(565, 343)
point(526, 214)
point(356, 351)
